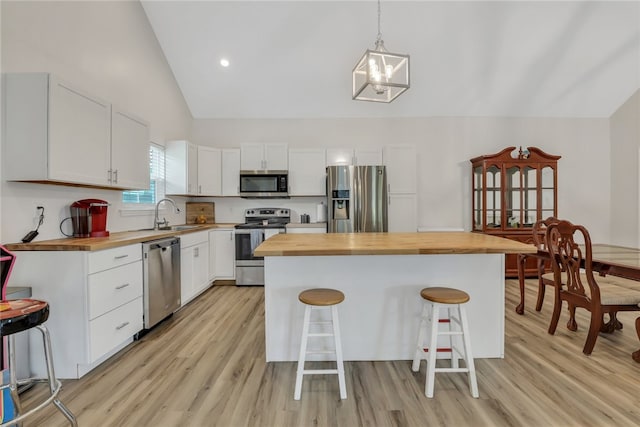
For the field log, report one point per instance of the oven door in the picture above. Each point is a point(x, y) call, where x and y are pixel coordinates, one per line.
point(249, 269)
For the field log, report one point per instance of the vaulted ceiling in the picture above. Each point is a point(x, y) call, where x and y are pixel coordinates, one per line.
point(293, 59)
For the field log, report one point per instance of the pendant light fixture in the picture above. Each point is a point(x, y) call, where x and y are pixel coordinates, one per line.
point(380, 76)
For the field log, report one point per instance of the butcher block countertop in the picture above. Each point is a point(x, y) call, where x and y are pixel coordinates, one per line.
point(121, 238)
point(389, 244)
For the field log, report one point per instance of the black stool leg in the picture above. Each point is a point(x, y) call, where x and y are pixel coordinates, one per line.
point(53, 382)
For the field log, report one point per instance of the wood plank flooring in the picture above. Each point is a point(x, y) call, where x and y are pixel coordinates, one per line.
point(205, 367)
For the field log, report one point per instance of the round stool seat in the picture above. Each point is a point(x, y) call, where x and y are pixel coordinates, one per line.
point(444, 295)
point(321, 297)
point(18, 315)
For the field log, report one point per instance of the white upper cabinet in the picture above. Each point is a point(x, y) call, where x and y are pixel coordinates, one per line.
point(56, 132)
point(129, 150)
point(401, 164)
point(263, 157)
point(230, 171)
point(402, 211)
point(307, 172)
point(181, 168)
point(209, 171)
point(339, 156)
point(358, 157)
point(368, 157)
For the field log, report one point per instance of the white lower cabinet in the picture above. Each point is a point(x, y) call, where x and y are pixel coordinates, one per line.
point(194, 265)
point(95, 301)
point(222, 254)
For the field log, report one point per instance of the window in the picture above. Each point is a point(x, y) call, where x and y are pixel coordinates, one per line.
point(157, 187)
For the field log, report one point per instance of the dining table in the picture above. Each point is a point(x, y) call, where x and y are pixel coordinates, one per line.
point(606, 260)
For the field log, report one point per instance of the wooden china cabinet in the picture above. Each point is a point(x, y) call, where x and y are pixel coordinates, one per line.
point(513, 189)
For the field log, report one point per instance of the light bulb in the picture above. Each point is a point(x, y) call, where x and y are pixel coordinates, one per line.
point(224, 62)
point(388, 71)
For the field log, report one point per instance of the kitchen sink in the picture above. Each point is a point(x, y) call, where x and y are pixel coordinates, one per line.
point(179, 227)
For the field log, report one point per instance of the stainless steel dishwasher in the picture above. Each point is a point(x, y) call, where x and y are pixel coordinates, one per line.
point(161, 279)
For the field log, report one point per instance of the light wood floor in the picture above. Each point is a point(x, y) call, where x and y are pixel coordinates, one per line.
point(206, 367)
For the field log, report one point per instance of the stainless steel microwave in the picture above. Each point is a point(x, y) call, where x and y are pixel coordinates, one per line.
point(264, 184)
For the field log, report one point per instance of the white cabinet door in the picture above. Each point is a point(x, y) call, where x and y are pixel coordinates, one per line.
point(209, 171)
point(225, 253)
point(201, 267)
point(401, 166)
point(181, 164)
point(263, 157)
point(230, 172)
point(129, 151)
point(192, 169)
point(194, 267)
point(402, 211)
point(79, 136)
point(187, 290)
point(276, 157)
point(252, 156)
point(368, 157)
point(307, 172)
point(339, 156)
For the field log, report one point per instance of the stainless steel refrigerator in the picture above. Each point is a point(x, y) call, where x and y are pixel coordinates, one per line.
point(357, 199)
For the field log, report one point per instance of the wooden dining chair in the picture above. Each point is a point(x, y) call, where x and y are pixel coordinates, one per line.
point(636, 354)
point(544, 279)
point(576, 283)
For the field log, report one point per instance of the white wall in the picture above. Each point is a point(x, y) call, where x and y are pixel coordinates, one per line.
point(625, 188)
point(444, 147)
point(109, 50)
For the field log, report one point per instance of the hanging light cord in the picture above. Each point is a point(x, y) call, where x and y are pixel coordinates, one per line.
point(379, 30)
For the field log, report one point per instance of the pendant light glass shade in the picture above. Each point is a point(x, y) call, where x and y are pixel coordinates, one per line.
point(380, 76)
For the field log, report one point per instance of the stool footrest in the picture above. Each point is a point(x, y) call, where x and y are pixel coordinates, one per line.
point(439, 349)
point(451, 370)
point(450, 333)
point(319, 371)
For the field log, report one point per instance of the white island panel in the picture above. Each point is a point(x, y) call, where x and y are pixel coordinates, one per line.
point(380, 315)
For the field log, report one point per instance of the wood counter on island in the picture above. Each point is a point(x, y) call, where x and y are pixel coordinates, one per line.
point(381, 275)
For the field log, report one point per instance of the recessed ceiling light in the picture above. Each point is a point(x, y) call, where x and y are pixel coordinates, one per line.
point(224, 62)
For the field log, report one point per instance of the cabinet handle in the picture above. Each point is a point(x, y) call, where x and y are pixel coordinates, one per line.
point(109, 175)
point(199, 189)
point(196, 252)
point(122, 286)
point(120, 256)
point(122, 325)
point(115, 174)
point(231, 236)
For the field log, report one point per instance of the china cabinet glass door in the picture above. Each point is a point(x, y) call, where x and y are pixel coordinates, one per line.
point(548, 192)
point(493, 186)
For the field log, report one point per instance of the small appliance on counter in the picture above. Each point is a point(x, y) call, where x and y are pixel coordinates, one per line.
point(89, 218)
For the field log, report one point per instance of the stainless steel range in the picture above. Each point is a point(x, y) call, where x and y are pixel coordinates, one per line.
point(259, 225)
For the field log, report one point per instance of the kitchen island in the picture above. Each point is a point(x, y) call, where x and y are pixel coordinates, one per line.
point(381, 275)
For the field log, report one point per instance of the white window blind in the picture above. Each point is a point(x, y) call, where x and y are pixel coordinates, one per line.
point(157, 180)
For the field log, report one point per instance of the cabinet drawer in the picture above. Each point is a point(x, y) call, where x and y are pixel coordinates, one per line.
point(112, 288)
point(113, 328)
point(191, 239)
point(109, 258)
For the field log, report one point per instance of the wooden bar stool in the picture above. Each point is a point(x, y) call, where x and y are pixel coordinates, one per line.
point(17, 316)
point(453, 301)
point(320, 299)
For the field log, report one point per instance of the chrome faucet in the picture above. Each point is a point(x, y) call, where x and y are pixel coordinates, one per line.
point(164, 222)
